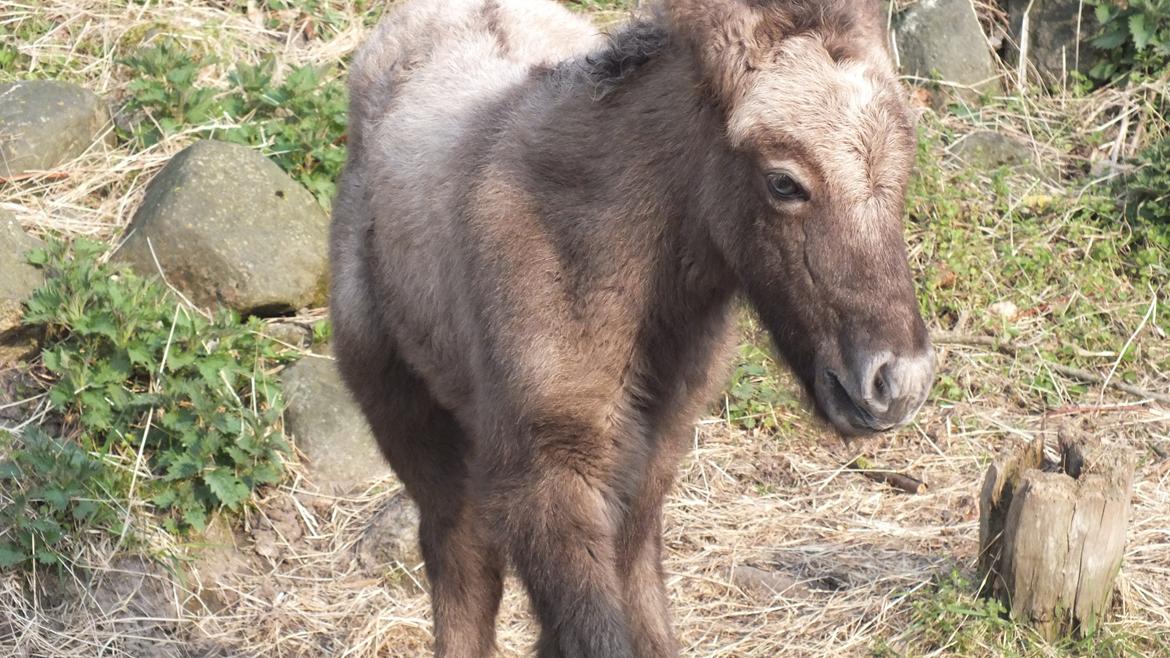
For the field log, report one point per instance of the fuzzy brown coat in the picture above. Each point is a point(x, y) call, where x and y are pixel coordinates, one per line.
point(538, 237)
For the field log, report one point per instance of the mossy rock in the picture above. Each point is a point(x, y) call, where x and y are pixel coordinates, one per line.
point(942, 39)
point(229, 227)
point(329, 428)
point(44, 123)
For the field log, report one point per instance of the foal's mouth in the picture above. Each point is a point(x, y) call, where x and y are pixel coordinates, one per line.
point(859, 419)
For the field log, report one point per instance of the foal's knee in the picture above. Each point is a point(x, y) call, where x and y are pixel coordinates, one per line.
point(560, 532)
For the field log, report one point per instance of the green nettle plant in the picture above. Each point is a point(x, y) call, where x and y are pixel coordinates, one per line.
point(51, 493)
point(1148, 197)
point(164, 92)
point(1149, 186)
point(1134, 38)
point(299, 121)
point(755, 390)
point(141, 379)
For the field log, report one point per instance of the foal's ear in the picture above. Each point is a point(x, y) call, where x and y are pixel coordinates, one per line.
point(723, 36)
point(731, 38)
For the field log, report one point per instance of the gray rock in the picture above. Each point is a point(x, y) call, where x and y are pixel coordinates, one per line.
point(136, 585)
point(18, 388)
point(328, 427)
point(391, 539)
point(944, 38)
point(18, 280)
point(289, 333)
point(1053, 48)
point(44, 123)
point(988, 149)
point(767, 584)
point(229, 226)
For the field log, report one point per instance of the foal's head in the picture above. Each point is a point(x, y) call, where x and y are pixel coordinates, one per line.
point(821, 145)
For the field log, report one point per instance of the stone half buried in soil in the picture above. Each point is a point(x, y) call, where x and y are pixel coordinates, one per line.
point(18, 280)
point(44, 123)
point(989, 150)
point(329, 428)
point(943, 38)
point(135, 595)
point(1058, 36)
point(1052, 535)
point(229, 227)
point(767, 584)
point(391, 538)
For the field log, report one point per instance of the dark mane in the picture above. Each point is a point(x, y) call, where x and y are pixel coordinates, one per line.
point(629, 48)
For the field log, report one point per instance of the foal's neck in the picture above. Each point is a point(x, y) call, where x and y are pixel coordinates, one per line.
point(647, 142)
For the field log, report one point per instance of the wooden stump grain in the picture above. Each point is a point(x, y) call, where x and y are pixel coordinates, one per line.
point(1052, 535)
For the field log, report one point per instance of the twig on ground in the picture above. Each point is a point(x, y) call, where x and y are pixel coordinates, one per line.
point(1009, 348)
point(1074, 409)
point(907, 483)
point(36, 175)
point(1159, 451)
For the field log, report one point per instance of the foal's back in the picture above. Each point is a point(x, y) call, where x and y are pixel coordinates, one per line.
point(420, 86)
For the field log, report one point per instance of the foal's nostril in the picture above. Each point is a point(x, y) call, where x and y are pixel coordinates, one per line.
point(875, 384)
point(891, 387)
point(881, 386)
point(880, 392)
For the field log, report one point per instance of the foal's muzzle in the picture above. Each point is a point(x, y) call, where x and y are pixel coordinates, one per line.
point(879, 392)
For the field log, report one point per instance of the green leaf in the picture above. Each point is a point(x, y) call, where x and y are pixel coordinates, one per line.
point(140, 355)
point(182, 467)
point(1141, 33)
point(166, 498)
point(48, 557)
point(1103, 12)
point(38, 257)
point(1110, 40)
point(57, 498)
point(10, 557)
point(210, 367)
point(178, 359)
point(195, 516)
point(84, 510)
point(48, 528)
point(52, 360)
point(227, 487)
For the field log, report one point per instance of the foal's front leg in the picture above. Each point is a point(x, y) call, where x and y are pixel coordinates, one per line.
point(552, 509)
point(646, 600)
point(639, 559)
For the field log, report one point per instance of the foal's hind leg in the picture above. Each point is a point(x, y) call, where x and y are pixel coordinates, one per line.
point(427, 449)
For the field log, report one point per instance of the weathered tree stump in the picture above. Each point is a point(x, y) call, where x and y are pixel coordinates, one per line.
point(1052, 535)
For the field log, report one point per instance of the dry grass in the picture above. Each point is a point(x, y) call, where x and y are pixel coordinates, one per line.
point(861, 554)
point(859, 551)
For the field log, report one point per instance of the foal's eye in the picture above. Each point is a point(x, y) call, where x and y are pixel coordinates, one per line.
point(785, 188)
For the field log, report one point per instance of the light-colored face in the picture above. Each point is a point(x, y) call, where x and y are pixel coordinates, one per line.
point(830, 146)
point(839, 128)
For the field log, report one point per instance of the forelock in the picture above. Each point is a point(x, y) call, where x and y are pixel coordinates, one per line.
point(848, 114)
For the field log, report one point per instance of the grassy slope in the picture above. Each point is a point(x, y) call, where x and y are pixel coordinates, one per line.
point(764, 486)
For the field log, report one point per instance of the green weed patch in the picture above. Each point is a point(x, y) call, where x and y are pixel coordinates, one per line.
point(155, 402)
